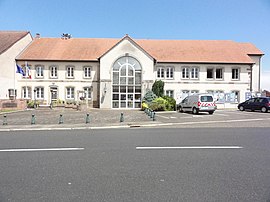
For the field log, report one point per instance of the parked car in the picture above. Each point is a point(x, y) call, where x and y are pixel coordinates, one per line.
point(256, 103)
point(196, 103)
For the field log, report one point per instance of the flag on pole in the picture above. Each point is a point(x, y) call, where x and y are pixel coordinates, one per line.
point(28, 71)
point(20, 70)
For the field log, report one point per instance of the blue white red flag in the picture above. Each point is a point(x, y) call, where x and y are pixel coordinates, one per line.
point(20, 70)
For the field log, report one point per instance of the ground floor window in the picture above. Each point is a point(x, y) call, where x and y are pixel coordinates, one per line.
point(87, 91)
point(70, 93)
point(26, 92)
point(169, 93)
point(39, 93)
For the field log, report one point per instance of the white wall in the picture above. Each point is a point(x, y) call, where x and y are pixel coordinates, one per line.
point(8, 76)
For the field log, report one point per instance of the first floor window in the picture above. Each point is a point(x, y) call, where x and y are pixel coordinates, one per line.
point(39, 93)
point(169, 93)
point(219, 73)
point(26, 92)
point(194, 73)
point(53, 72)
point(235, 73)
point(70, 72)
point(160, 73)
point(87, 91)
point(185, 73)
point(87, 72)
point(210, 73)
point(169, 73)
point(70, 93)
point(39, 71)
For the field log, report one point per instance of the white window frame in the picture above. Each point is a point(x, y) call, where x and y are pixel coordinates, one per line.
point(160, 72)
point(70, 93)
point(237, 95)
point(53, 72)
point(169, 72)
point(89, 92)
point(221, 69)
point(234, 75)
point(87, 72)
point(39, 71)
point(194, 73)
point(26, 92)
point(39, 93)
point(70, 72)
point(185, 72)
point(169, 93)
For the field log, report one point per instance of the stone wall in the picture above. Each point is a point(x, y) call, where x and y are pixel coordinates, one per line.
point(12, 104)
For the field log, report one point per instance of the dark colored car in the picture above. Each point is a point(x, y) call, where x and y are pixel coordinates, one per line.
point(256, 103)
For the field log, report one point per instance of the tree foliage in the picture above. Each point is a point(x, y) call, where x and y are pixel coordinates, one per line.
point(158, 88)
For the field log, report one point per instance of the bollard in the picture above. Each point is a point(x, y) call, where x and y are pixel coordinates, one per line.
point(151, 114)
point(122, 117)
point(61, 121)
point(154, 116)
point(33, 119)
point(5, 120)
point(87, 119)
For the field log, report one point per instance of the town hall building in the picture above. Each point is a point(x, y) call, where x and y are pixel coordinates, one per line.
point(116, 73)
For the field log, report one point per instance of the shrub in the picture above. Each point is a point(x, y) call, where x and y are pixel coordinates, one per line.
point(158, 88)
point(171, 103)
point(159, 104)
point(149, 97)
point(144, 105)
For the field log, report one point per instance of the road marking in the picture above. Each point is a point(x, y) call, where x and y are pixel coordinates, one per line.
point(45, 149)
point(191, 147)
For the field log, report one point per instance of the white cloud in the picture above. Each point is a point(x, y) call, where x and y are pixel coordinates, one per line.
point(265, 80)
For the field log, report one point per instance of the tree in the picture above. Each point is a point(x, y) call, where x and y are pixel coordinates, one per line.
point(149, 96)
point(158, 88)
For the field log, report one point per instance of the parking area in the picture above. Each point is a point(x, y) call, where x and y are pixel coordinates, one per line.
point(221, 118)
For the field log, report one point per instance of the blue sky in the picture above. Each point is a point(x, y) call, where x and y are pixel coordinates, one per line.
point(238, 20)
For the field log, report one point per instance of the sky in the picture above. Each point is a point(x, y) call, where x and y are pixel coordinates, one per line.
point(237, 20)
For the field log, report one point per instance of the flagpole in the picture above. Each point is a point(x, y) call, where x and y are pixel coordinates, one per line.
point(14, 78)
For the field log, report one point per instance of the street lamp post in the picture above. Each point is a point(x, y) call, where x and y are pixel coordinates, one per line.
point(51, 105)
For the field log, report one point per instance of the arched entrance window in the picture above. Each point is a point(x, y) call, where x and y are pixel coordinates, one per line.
point(126, 85)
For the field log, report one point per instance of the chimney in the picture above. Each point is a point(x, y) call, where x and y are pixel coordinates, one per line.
point(37, 35)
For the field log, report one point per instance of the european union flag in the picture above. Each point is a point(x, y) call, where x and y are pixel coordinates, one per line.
point(20, 70)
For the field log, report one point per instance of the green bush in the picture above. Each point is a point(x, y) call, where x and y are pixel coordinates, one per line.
point(31, 103)
point(158, 104)
point(149, 96)
point(171, 103)
point(144, 105)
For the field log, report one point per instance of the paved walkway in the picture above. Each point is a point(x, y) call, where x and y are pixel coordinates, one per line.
point(49, 118)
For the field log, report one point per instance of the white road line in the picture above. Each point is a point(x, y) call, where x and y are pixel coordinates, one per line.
point(191, 147)
point(45, 149)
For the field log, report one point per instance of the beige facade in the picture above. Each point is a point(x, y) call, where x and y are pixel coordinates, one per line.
point(120, 77)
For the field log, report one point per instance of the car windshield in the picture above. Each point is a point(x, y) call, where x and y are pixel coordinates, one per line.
point(206, 98)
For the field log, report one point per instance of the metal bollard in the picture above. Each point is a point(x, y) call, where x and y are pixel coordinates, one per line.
point(61, 121)
point(5, 120)
point(154, 116)
point(33, 119)
point(122, 117)
point(87, 119)
point(151, 114)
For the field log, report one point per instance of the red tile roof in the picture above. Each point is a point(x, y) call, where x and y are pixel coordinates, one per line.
point(9, 38)
point(185, 51)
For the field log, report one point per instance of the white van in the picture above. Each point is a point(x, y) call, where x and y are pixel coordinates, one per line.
point(196, 103)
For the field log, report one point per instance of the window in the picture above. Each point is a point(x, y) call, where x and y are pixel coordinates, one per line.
point(70, 72)
point(39, 93)
point(165, 72)
point(185, 73)
point(87, 91)
point(236, 96)
point(160, 72)
point(235, 73)
point(169, 73)
point(194, 73)
point(26, 92)
point(210, 73)
point(39, 71)
point(87, 72)
point(53, 72)
point(169, 93)
point(219, 73)
point(70, 93)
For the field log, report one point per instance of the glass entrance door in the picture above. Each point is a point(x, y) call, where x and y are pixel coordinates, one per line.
point(126, 83)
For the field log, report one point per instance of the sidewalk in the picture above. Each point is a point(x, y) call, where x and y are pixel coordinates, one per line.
point(48, 119)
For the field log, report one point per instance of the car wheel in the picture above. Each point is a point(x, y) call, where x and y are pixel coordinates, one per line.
point(241, 108)
point(195, 110)
point(264, 109)
point(181, 109)
point(211, 112)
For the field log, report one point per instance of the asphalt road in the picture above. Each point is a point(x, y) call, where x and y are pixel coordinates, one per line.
point(125, 165)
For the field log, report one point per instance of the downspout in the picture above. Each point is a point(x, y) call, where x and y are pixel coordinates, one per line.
point(260, 75)
point(250, 88)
